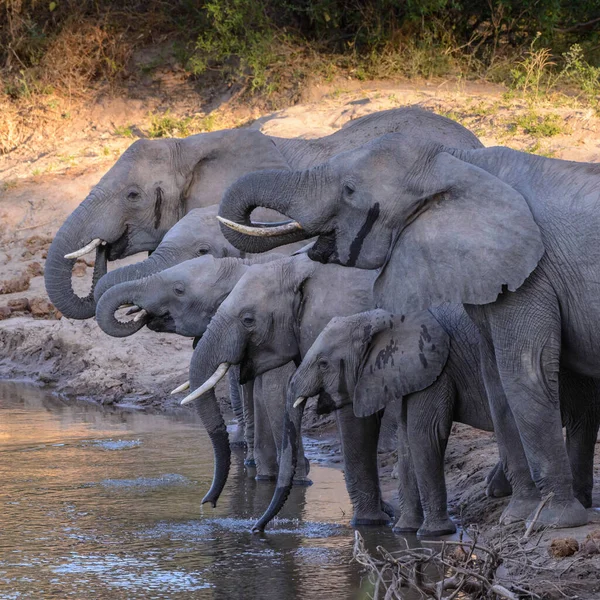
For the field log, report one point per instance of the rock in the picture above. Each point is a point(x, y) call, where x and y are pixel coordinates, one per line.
point(591, 544)
point(16, 284)
point(5, 312)
point(19, 304)
point(562, 547)
point(34, 269)
point(42, 308)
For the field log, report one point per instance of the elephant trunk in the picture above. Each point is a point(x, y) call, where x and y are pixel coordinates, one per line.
point(220, 344)
point(153, 264)
point(292, 432)
point(57, 272)
point(109, 303)
point(267, 189)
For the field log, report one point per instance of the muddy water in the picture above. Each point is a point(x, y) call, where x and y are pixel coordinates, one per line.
point(106, 504)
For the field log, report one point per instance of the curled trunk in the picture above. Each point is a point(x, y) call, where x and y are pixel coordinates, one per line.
point(115, 297)
point(292, 432)
point(153, 264)
point(268, 189)
point(57, 271)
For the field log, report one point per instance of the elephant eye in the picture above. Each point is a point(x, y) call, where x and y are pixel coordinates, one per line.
point(248, 320)
point(202, 251)
point(133, 195)
point(179, 289)
point(323, 364)
point(348, 189)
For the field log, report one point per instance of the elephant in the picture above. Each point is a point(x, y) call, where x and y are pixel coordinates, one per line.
point(182, 299)
point(510, 235)
point(426, 366)
point(156, 182)
point(196, 234)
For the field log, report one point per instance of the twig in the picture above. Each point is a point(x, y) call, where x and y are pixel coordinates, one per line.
point(536, 515)
point(35, 226)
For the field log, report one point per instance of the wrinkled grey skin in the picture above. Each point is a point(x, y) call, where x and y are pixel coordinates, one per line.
point(197, 234)
point(182, 300)
point(427, 366)
point(271, 317)
point(510, 235)
point(156, 182)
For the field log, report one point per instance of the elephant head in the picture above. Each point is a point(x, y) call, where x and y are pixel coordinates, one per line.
point(370, 359)
point(197, 234)
point(442, 228)
point(152, 185)
point(181, 299)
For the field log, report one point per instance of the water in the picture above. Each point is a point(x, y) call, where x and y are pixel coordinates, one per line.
point(106, 504)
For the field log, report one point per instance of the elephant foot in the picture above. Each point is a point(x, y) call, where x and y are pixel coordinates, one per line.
point(560, 514)
point(250, 462)
point(498, 485)
point(266, 477)
point(302, 481)
point(436, 528)
point(388, 509)
point(518, 510)
point(585, 497)
point(408, 524)
point(375, 519)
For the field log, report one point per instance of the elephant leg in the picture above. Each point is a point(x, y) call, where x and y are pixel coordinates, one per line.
point(248, 406)
point(274, 385)
point(525, 496)
point(265, 450)
point(526, 334)
point(359, 439)
point(497, 485)
point(580, 405)
point(429, 421)
point(411, 511)
point(235, 395)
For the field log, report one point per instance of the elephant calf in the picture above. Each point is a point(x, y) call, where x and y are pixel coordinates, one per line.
point(427, 366)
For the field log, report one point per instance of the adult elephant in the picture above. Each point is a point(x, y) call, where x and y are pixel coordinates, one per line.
point(271, 317)
point(156, 182)
point(183, 299)
point(511, 235)
point(426, 367)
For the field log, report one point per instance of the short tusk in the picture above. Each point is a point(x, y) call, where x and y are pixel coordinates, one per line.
point(181, 388)
point(91, 246)
point(261, 231)
point(207, 385)
point(299, 401)
point(139, 316)
point(132, 309)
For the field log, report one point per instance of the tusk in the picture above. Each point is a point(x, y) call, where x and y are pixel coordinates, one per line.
point(181, 388)
point(299, 401)
point(132, 309)
point(91, 246)
point(261, 231)
point(139, 316)
point(209, 384)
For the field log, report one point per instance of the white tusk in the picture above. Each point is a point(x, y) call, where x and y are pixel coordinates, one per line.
point(261, 231)
point(209, 384)
point(91, 246)
point(181, 388)
point(139, 316)
point(299, 401)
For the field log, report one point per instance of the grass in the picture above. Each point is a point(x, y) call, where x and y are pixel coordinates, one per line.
point(538, 126)
point(124, 131)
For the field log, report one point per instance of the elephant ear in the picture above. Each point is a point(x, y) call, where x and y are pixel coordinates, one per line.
point(475, 235)
point(404, 358)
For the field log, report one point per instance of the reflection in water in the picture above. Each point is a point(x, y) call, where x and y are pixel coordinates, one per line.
point(106, 504)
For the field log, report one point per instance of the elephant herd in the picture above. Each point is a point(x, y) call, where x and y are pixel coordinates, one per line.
point(447, 282)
